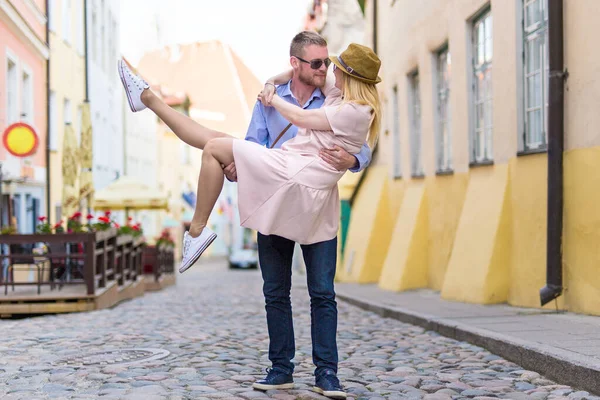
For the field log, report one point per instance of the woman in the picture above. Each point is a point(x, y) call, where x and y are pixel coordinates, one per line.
point(289, 192)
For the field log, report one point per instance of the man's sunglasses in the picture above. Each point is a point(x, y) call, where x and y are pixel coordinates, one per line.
point(317, 62)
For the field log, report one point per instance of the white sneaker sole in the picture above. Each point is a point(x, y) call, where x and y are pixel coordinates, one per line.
point(262, 387)
point(122, 76)
point(198, 253)
point(330, 394)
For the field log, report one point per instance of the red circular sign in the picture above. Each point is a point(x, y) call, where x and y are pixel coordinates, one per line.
point(20, 140)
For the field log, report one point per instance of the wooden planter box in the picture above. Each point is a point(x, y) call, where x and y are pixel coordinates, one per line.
point(158, 260)
point(104, 257)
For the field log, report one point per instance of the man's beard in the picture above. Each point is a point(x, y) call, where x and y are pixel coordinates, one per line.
point(312, 80)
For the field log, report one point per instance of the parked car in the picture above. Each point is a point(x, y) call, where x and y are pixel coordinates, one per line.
point(243, 258)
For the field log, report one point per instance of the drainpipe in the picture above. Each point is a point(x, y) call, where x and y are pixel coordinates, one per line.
point(48, 116)
point(375, 27)
point(557, 77)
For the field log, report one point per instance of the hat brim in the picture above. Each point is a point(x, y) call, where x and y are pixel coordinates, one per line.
point(335, 60)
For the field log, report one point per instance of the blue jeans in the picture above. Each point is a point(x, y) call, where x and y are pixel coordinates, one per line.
point(275, 256)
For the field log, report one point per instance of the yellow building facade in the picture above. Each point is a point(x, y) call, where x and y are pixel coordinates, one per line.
point(67, 89)
point(456, 197)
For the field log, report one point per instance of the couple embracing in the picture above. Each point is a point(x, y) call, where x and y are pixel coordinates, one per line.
point(306, 131)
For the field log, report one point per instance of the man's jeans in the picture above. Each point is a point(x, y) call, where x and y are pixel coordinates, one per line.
point(275, 255)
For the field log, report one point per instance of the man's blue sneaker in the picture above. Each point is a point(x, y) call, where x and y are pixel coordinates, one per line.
point(275, 379)
point(327, 384)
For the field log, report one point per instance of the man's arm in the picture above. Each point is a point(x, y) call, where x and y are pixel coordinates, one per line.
point(257, 133)
point(363, 158)
point(341, 160)
point(257, 130)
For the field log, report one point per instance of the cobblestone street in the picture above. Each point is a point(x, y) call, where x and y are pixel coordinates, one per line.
point(206, 338)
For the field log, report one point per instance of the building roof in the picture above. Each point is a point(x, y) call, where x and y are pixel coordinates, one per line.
point(221, 88)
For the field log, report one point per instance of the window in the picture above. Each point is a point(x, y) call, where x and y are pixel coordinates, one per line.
point(26, 97)
point(185, 154)
point(481, 140)
point(79, 123)
point(52, 15)
point(535, 73)
point(94, 35)
point(67, 15)
point(67, 118)
point(415, 124)
point(443, 137)
point(102, 37)
point(53, 140)
point(12, 113)
point(396, 133)
point(80, 25)
point(113, 50)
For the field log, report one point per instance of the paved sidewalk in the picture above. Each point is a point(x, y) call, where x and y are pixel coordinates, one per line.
point(563, 346)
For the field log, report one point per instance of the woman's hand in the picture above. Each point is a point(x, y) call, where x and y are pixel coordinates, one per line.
point(266, 95)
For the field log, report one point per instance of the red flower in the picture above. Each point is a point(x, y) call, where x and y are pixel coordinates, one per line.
point(117, 225)
point(90, 216)
point(41, 219)
point(136, 228)
point(76, 215)
point(107, 213)
point(130, 219)
point(106, 220)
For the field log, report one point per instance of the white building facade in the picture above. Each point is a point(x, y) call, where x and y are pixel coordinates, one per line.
point(105, 91)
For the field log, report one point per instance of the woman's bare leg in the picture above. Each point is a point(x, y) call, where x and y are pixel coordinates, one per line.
point(210, 183)
point(184, 127)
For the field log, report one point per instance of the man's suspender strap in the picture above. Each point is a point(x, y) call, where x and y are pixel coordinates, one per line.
point(280, 135)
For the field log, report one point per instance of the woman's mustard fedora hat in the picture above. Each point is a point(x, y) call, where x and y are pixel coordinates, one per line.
point(360, 62)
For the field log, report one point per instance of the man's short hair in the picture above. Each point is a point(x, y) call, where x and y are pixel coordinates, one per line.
point(303, 39)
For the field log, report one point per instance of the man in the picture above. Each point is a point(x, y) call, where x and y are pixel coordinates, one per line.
point(309, 60)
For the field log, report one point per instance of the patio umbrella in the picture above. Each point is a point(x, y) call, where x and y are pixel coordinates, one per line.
point(70, 169)
point(127, 193)
point(86, 182)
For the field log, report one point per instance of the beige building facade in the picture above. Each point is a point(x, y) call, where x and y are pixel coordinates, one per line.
point(67, 88)
point(456, 197)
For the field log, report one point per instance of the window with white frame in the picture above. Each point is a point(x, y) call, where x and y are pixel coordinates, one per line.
point(535, 73)
point(102, 47)
point(53, 141)
point(113, 50)
point(185, 155)
point(396, 133)
point(66, 21)
point(94, 34)
point(415, 124)
point(67, 117)
point(12, 113)
point(26, 97)
point(80, 26)
point(52, 17)
point(481, 139)
point(79, 123)
point(443, 137)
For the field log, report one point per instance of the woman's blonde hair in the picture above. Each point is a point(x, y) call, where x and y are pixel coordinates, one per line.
point(359, 92)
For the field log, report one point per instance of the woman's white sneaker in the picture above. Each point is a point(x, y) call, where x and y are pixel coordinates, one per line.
point(194, 247)
point(134, 86)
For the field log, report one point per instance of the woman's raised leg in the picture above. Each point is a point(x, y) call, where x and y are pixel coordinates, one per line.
point(210, 183)
point(140, 96)
point(184, 127)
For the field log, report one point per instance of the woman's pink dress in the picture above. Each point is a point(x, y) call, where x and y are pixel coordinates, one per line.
point(291, 192)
